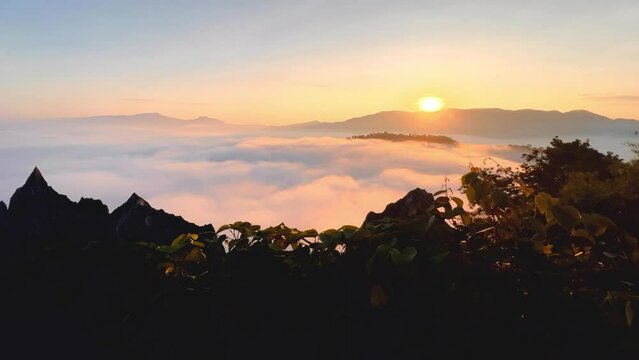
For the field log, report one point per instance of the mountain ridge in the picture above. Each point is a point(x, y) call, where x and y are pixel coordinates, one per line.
point(484, 122)
point(40, 216)
point(488, 122)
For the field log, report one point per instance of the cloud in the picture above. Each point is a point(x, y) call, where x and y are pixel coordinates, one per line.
point(138, 99)
point(318, 182)
point(611, 98)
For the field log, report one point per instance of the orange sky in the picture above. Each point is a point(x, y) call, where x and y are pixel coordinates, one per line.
point(283, 63)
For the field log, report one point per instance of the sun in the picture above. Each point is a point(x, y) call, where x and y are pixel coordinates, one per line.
point(431, 104)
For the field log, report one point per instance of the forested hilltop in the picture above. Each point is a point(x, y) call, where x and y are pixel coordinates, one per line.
point(435, 139)
point(542, 262)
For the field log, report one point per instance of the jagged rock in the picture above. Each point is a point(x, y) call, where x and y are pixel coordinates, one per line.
point(411, 214)
point(4, 219)
point(136, 220)
point(42, 216)
point(416, 202)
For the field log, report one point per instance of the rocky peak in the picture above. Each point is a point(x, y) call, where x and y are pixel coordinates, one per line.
point(35, 182)
point(4, 216)
point(35, 178)
point(417, 201)
point(137, 220)
point(136, 200)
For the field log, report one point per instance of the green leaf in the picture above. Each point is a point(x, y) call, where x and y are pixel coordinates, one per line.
point(409, 253)
point(396, 256)
point(165, 249)
point(469, 178)
point(308, 233)
point(196, 255)
point(565, 216)
point(500, 199)
point(438, 258)
point(543, 202)
point(470, 195)
point(378, 296)
point(582, 233)
point(404, 257)
point(430, 222)
point(630, 313)
point(348, 231)
point(330, 238)
point(180, 241)
point(442, 200)
point(223, 228)
point(527, 190)
point(458, 201)
point(597, 224)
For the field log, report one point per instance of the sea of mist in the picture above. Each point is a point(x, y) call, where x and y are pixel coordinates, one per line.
point(265, 177)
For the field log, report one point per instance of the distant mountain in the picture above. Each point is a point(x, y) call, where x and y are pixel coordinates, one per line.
point(145, 122)
point(495, 123)
point(490, 123)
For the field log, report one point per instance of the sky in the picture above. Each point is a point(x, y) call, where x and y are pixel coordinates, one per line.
point(277, 62)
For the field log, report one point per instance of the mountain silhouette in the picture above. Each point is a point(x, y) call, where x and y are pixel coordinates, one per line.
point(40, 218)
point(491, 123)
point(486, 122)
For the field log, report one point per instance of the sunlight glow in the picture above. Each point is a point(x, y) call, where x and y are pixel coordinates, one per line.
point(431, 104)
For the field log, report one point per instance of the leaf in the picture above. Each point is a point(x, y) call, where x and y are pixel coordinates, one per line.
point(566, 217)
point(439, 192)
point(275, 246)
point(197, 243)
point(370, 264)
point(330, 237)
point(169, 271)
point(630, 313)
point(527, 190)
point(500, 199)
point(166, 249)
point(223, 228)
point(348, 231)
point(543, 202)
point(196, 255)
point(458, 201)
point(396, 256)
point(469, 178)
point(180, 241)
point(465, 217)
point(308, 233)
point(409, 253)
point(442, 200)
point(378, 296)
point(582, 233)
point(539, 247)
point(239, 225)
point(430, 222)
point(438, 258)
point(597, 224)
point(470, 195)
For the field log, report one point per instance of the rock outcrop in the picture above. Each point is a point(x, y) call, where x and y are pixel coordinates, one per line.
point(416, 202)
point(136, 220)
point(4, 219)
point(39, 218)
